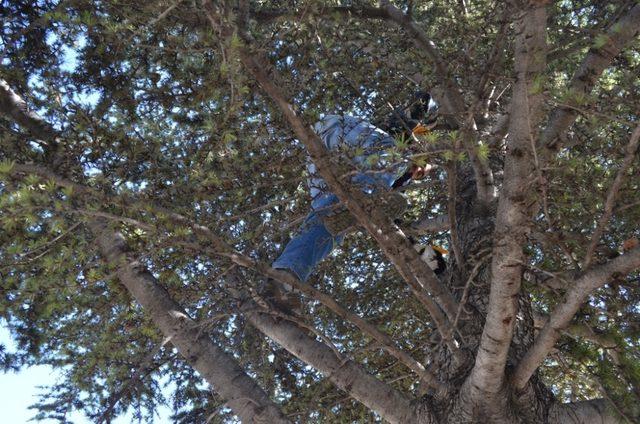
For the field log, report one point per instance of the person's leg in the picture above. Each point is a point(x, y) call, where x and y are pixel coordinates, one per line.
point(310, 246)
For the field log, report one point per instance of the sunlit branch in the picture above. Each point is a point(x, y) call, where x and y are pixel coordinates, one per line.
point(559, 319)
point(619, 36)
point(612, 195)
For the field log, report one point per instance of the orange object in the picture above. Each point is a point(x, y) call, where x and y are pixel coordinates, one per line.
point(440, 249)
point(420, 129)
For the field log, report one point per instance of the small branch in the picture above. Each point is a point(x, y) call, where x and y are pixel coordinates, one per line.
point(619, 36)
point(366, 12)
point(141, 372)
point(578, 330)
point(453, 227)
point(116, 218)
point(544, 278)
point(564, 312)
point(467, 287)
point(630, 154)
point(430, 225)
point(46, 246)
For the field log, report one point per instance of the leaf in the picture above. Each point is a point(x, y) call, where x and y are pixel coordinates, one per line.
point(600, 40)
point(32, 180)
point(537, 85)
point(373, 159)
point(6, 166)
point(483, 151)
point(236, 42)
point(67, 191)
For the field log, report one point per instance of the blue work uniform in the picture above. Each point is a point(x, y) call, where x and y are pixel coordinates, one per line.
point(367, 146)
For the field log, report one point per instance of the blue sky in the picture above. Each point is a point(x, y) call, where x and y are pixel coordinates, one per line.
point(19, 390)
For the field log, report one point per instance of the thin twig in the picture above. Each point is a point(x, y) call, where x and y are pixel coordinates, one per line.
point(467, 286)
point(631, 150)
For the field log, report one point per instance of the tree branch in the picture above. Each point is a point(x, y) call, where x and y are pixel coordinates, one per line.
point(14, 107)
point(430, 225)
point(619, 35)
point(564, 312)
point(345, 374)
point(579, 330)
point(512, 220)
point(630, 154)
point(240, 391)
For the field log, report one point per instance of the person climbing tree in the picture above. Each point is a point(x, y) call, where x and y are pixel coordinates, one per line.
point(366, 146)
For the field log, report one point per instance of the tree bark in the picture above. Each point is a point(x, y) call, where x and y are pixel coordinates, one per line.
point(514, 214)
point(242, 394)
point(342, 372)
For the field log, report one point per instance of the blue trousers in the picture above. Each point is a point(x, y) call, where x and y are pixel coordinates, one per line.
point(312, 243)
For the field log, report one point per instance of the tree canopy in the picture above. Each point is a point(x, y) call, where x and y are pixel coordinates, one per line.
point(153, 163)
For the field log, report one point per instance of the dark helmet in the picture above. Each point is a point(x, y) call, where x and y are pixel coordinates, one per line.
point(420, 109)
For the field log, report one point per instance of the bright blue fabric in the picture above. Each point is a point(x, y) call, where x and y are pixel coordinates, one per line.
point(349, 134)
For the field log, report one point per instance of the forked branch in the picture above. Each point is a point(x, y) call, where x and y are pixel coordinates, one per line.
point(564, 312)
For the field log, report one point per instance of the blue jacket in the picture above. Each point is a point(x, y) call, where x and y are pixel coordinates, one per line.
point(366, 145)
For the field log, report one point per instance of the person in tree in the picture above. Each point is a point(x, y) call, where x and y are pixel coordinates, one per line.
point(367, 147)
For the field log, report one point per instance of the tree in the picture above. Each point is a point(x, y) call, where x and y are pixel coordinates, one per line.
point(152, 165)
